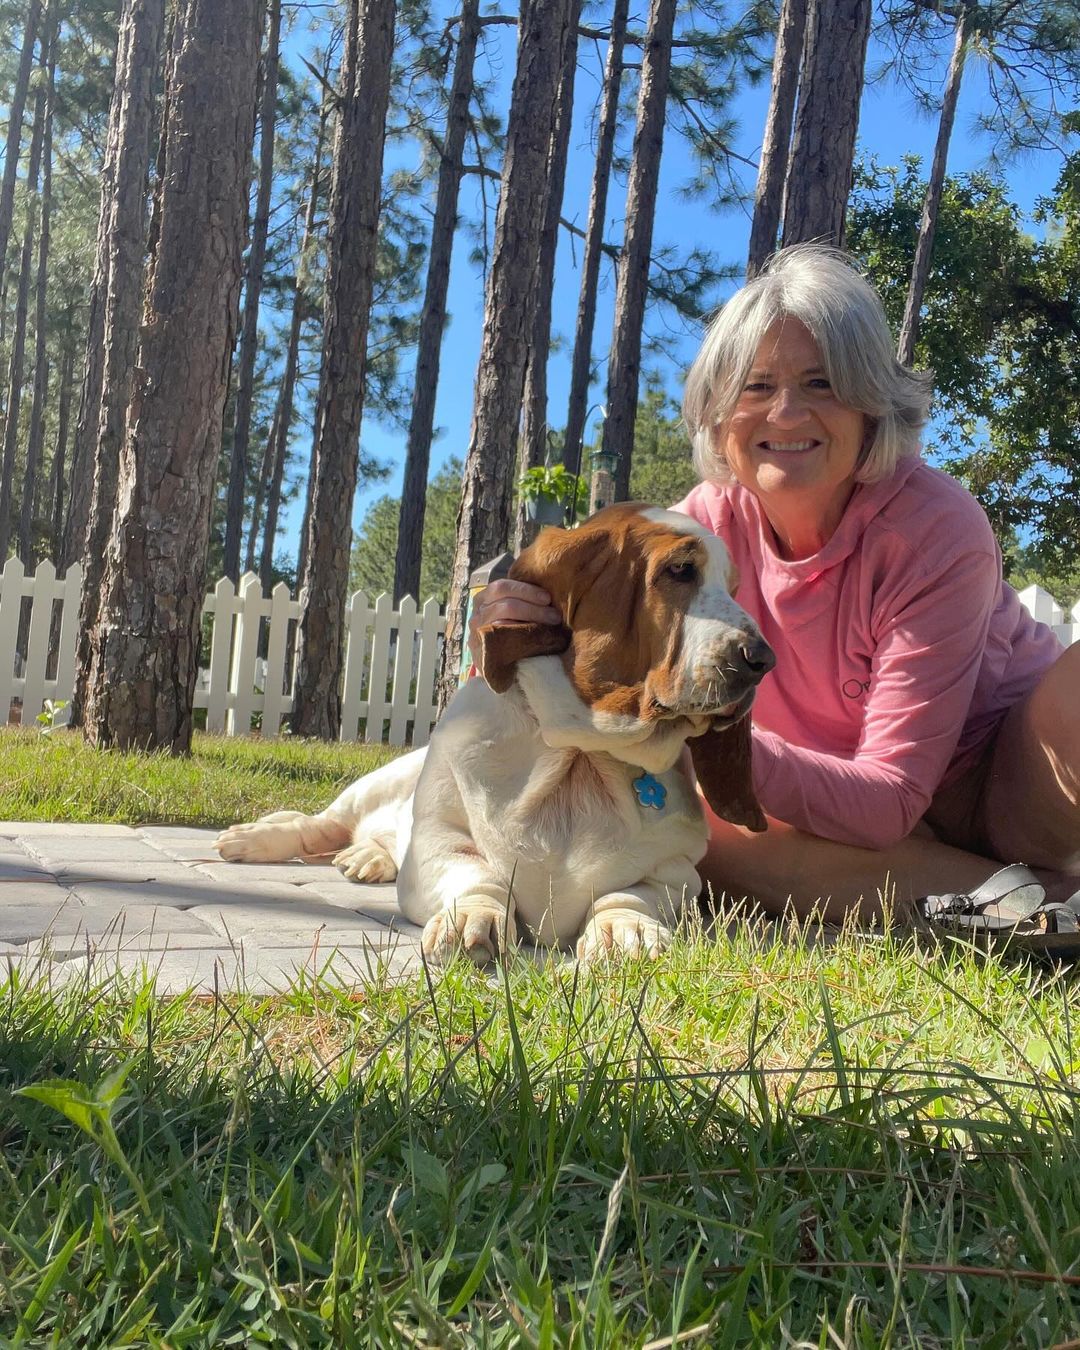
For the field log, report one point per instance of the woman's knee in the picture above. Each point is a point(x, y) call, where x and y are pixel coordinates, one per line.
point(1053, 717)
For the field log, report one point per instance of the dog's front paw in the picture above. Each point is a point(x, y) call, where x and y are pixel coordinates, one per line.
point(366, 861)
point(258, 842)
point(622, 933)
point(479, 926)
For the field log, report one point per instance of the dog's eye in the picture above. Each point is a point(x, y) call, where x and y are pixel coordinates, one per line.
point(682, 571)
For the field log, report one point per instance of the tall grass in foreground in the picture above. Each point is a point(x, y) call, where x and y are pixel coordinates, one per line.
point(746, 1143)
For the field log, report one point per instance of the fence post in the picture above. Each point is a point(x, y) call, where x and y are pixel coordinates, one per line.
point(432, 623)
point(220, 604)
point(401, 699)
point(71, 594)
point(276, 646)
point(43, 586)
point(244, 651)
point(380, 669)
point(11, 591)
point(357, 618)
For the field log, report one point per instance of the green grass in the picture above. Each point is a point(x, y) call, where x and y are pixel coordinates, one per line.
point(225, 779)
point(745, 1143)
point(858, 1145)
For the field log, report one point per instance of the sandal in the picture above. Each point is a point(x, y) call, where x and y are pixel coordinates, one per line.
point(1008, 910)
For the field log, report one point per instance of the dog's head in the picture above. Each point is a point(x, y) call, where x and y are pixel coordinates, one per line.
point(651, 638)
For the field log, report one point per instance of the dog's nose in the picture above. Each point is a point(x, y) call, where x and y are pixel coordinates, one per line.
point(755, 657)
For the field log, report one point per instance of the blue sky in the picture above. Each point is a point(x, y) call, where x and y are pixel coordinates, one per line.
point(890, 126)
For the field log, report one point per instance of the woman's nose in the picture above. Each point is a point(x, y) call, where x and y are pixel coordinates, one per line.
point(788, 406)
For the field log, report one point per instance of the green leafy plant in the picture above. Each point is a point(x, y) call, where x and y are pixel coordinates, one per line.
point(51, 715)
point(554, 483)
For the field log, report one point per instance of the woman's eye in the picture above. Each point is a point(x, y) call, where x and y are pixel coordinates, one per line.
point(820, 383)
point(682, 571)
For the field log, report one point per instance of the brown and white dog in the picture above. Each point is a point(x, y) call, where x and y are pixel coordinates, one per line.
point(553, 801)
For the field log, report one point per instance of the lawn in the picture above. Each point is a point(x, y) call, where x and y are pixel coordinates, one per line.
point(55, 776)
point(749, 1142)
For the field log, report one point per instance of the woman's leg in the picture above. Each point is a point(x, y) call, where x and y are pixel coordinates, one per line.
point(785, 868)
point(1030, 810)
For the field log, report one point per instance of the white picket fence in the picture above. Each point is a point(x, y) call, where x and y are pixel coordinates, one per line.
point(391, 656)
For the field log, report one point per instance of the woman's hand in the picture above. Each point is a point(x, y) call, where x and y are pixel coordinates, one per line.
point(510, 601)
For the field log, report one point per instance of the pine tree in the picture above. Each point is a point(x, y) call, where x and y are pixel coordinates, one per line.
point(144, 648)
point(353, 240)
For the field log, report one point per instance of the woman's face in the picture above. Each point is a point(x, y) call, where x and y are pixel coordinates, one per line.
point(789, 440)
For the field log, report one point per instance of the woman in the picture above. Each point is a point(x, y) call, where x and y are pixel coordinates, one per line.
point(920, 728)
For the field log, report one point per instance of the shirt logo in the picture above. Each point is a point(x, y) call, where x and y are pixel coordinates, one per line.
point(855, 688)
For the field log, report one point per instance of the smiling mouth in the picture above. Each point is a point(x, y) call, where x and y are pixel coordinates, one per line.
point(788, 447)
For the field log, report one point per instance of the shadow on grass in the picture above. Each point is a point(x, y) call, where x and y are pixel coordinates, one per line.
point(513, 1160)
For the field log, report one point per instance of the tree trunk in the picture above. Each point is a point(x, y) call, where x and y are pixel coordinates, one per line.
point(145, 646)
point(59, 462)
point(823, 147)
point(121, 217)
point(350, 275)
point(272, 473)
point(533, 443)
point(433, 314)
point(17, 361)
point(256, 263)
point(484, 514)
point(909, 329)
point(581, 367)
point(624, 363)
point(769, 196)
point(121, 249)
point(14, 132)
point(36, 438)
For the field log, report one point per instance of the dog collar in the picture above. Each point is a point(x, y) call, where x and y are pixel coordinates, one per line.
point(650, 791)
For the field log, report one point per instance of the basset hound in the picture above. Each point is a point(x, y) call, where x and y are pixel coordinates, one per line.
point(554, 802)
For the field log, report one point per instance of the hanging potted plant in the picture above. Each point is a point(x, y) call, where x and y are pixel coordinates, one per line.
point(551, 493)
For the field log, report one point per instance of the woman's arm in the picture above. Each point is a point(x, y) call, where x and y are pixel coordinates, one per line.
point(931, 639)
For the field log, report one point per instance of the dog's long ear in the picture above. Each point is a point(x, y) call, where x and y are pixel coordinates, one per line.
point(555, 561)
point(503, 645)
point(722, 764)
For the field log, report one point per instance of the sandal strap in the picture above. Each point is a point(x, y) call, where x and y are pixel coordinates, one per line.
point(1012, 896)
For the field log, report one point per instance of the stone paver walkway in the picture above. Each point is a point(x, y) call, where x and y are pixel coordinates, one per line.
point(91, 900)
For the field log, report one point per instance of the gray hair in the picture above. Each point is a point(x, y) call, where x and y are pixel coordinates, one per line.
point(819, 287)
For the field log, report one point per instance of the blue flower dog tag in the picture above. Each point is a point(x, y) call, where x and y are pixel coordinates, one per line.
point(650, 791)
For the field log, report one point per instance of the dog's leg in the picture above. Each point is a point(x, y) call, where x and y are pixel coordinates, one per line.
point(447, 886)
point(638, 921)
point(282, 835)
point(482, 927)
point(292, 834)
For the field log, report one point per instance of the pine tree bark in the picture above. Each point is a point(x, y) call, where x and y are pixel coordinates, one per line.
point(121, 249)
point(533, 444)
point(350, 274)
point(484, 515)
point(433, 313)
point(16, 364)
point(59, 460)
point(35, 440)
point(256, 263)
point(272, 474)
point(145, 645)
point(581, 366)
point(16, 111)
point(924, 247)
point(776, 146)
point(624, 363)
point(823, 146)
point(121, 239)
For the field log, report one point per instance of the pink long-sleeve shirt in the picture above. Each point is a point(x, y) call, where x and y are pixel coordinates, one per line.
point(898, 646)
